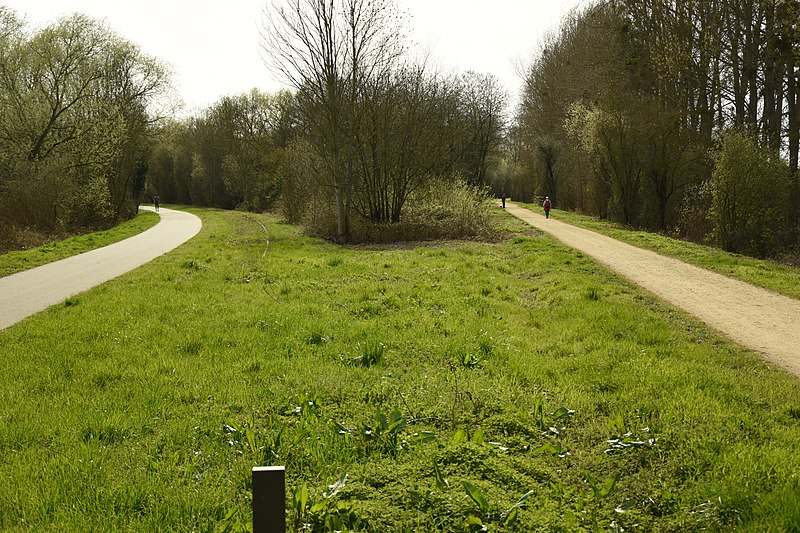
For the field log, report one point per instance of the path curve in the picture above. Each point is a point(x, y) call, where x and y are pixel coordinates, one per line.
point(753, 317)
point(26, 293)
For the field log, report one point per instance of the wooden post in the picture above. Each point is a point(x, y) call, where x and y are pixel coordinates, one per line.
point(269, 499)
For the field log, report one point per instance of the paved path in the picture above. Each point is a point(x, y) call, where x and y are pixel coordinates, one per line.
point(755, 318)
point(31, 291)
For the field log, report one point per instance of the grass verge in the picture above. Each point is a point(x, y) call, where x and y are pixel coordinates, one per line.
point(442, 387)
point(17, 261)
point(777, 277)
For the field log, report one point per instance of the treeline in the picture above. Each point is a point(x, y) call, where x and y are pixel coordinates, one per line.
point(231, 155)
point(679, 116)
point(367, 146)
point(75, 116)
point(415, 166)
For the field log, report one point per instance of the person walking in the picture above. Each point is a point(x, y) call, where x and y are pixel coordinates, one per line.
point(504, 200)
point(546, 205)
point(156, 202)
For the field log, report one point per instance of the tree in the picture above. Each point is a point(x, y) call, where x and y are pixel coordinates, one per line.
point(484, 102)
point(613, 142)
point(211, 141)
point(750, 187)
point(400, 142)
point(253, 163)
point(130, 82)
point(75, 123)
point(656, 82)
point(583, 62)
point(231, 155)
point(327, 49)
point(672, 158)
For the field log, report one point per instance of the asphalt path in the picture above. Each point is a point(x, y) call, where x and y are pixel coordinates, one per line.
point(26, 293)
point(753, 317)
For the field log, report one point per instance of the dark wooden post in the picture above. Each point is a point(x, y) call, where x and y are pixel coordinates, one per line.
point(269, 499)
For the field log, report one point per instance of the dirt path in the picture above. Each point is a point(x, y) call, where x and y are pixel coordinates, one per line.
point(31, 291)
point(753, 317)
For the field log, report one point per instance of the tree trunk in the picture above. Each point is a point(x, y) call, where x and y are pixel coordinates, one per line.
point(739, 88)
point(771, 90)
point(793, 125)
point(340, 221)
point(750, 62)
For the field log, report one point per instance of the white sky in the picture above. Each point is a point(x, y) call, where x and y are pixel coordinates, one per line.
point(213, 47)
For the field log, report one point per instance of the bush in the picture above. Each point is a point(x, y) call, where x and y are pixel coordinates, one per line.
point(751, 196)
point(694, 214)
point(90, 205)
point(442, 210)
point(299, 187)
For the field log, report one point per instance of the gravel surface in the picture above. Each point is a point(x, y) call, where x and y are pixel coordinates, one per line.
point(751, 316)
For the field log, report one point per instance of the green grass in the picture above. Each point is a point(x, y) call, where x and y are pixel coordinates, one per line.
point(13, 262)
point(777, 277)
point(405, 388)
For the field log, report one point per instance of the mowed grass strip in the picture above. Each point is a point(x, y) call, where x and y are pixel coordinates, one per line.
point(422, 387)
point(17, 261)
point(778, 277)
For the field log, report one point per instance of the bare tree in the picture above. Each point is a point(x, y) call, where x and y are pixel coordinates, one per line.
point(485, 102)
point(400, 144)
point(327, 49)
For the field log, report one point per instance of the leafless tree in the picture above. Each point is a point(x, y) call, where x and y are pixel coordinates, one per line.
point(485, 102)
point(328, 50)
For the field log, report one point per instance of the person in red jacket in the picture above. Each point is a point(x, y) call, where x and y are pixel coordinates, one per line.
point(546, 206)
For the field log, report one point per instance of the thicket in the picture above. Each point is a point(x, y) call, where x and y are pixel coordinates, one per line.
point(75, 115)
point(665, 114)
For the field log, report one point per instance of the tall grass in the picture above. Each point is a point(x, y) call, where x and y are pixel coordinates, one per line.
point(428, 388)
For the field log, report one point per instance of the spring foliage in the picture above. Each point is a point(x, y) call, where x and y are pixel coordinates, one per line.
point(750, 188)
point(75, 107)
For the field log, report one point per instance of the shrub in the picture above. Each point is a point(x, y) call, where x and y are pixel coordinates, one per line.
point(694, 214)
point(90, 205)
point(442, 210)
point(750, 191)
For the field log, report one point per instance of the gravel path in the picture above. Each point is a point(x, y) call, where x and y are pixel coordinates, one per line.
point(31, 291)
point(753, 317)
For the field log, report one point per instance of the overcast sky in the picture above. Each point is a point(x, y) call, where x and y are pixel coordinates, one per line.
point(213, 47)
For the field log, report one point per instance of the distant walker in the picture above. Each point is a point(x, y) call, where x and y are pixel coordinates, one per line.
point(546, 206)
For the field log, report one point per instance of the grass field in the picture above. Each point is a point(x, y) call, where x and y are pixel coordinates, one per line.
point(771, 275)
point(13, 262)
point(447, 386)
